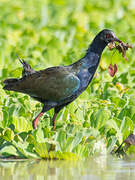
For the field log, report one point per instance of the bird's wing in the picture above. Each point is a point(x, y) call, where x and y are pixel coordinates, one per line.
point(52, 84)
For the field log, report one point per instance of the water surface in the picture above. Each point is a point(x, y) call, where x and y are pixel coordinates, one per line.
point(96, 168)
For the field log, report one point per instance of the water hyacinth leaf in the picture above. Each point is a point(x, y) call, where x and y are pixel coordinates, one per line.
point(17, 138)
point(8, 135)
point(23, 135)
point(133, 118)
point(77, 139)
point(1, 130)
point(120, 102)
point(47, 132)
point(127, 126)
point(123, 78)
point(91, 133)
point(132, 112)
point(101, 116)
point(111, 143)
point(41, 150)
point(40, 136)
point(68, 144)
point(125, 112)
point(8, 150)
point(5, 117)
point(16, 72)
point(61, 139)
point(31, 139)
point(63, 115)
point(64, 142)
point(62, 156)
point(21, 124)
point(111, 123)
point(130, 150)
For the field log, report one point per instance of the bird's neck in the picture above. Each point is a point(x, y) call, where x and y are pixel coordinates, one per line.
point(92, 57)
point(97, 46)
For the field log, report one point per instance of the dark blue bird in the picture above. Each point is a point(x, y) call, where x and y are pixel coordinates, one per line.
point(58, 86)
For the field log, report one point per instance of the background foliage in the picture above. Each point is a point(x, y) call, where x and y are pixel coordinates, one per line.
point(49, 33)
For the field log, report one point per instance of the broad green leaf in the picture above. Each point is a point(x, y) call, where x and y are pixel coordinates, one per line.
point(8, 151)
point(41, 150)
point(61, 139)
point(77, 139)
point(8, 135)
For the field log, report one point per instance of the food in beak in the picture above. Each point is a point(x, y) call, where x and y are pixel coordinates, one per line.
point(116, 39)
point(122, 48)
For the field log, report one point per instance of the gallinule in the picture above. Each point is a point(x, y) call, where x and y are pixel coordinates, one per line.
point(58, 86)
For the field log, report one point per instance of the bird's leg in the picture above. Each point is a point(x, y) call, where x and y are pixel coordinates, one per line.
point(54, 117)
point(56, 111)
point(45, 109)
point(35, 121)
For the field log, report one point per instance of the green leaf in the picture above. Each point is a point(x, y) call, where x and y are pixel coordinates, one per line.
point(8, 151)
point(41, 150)
point(61, 139)
point(127, 127)
point(77, 139)
point(8, 135)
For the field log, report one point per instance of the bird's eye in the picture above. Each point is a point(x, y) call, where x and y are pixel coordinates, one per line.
point(108, 36)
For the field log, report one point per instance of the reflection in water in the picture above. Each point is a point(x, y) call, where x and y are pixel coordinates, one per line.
point(97, 168)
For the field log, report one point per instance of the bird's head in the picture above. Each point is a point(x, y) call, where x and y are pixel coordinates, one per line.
point(108, 36)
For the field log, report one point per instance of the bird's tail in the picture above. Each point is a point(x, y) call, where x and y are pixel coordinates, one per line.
point(27, 69)
point(15, 84)
point(10, 84)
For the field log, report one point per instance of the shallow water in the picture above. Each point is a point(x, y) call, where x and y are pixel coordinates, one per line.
point(97, 168)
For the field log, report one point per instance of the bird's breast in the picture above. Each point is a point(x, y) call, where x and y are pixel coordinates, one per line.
point(84, 77)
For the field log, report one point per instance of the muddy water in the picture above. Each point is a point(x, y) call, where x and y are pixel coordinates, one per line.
point(97, 168)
